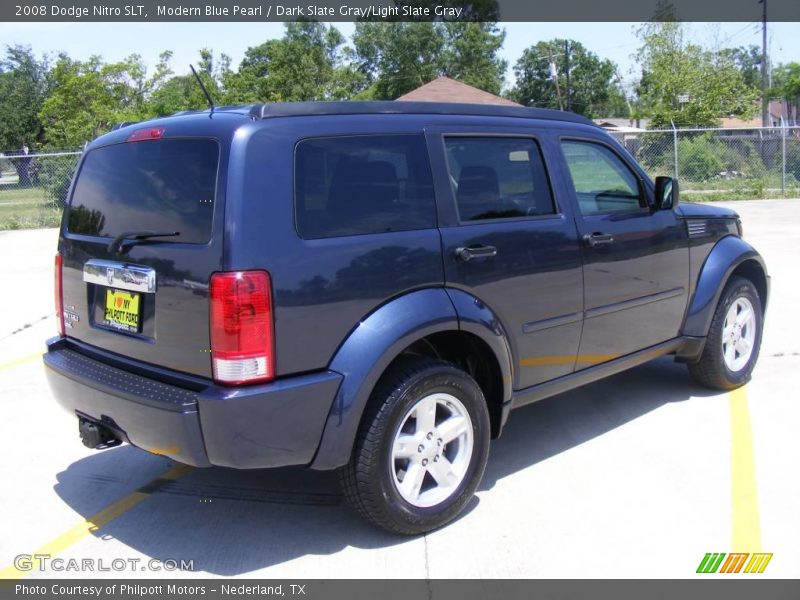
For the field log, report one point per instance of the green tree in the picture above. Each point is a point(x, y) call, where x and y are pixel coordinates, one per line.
point(170, 93)
point(786, 86)
point(617, 104)
point(471, 54)
point(88, 97)
point(310, 62)
point(24, 84)
point(397, 57)
point(748, 60)
point(592, 89)
point(687, 85)
point(83, 103)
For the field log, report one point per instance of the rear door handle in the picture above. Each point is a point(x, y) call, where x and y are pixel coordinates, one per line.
point(467, 253)
point(593, 240)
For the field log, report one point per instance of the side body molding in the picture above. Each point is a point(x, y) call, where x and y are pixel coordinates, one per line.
point(728, 254)
point(366, 353)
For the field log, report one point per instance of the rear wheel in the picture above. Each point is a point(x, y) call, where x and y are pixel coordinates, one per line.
point(422, 448)
point(734, 339)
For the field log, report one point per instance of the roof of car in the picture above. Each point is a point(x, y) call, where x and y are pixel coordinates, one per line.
point(293, 109)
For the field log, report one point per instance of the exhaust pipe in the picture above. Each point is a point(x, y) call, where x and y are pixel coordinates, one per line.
point(96, 435)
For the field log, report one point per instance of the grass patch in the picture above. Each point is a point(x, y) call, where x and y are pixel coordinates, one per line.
point(740, 188)
point(27, 208)
point(737, 190)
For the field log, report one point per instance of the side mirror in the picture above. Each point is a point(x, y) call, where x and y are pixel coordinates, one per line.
point(666, 195)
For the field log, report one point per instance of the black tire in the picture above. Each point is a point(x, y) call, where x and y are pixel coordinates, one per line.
point(711, 370)
point(368, 481)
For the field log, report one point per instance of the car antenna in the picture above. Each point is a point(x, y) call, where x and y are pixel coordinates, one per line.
point(202, 87)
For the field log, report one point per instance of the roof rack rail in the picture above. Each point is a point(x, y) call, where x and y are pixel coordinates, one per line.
point(350, 107)
point(247, 109)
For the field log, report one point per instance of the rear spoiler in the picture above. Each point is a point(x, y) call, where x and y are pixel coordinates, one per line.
point(122, 124)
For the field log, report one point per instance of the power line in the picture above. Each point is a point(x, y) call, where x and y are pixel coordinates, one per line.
point(740, 31)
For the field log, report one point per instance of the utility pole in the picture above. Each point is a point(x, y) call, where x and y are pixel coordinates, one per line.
point(554, 75)
point(764, 75)
point(566, 68)
point(625, 95)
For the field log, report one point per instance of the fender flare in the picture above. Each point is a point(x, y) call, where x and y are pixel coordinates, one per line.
point(368, 351)
point(477, 318)
point(725, 257)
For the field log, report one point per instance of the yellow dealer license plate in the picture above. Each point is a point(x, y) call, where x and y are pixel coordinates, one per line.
point(122, 310)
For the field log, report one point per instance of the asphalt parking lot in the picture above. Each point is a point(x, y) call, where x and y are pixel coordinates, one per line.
point(639, 475)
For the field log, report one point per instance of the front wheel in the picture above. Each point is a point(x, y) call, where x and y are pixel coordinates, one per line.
point(422, 448)
point(734, 339)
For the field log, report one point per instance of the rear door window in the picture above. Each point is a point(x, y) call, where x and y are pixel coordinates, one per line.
point(497, 178)
point(363, 184)
point(164, 185)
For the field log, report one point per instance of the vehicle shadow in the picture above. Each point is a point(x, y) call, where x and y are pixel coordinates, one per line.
point(536, 432)
point(232, 522)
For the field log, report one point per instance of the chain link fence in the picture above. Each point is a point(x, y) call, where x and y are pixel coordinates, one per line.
point(711, 164)
point(722, 164)
point(33, 187)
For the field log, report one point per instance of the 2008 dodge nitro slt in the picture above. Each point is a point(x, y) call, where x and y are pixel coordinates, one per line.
point(372, 287)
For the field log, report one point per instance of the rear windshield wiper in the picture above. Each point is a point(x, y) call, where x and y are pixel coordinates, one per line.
point(133, 236)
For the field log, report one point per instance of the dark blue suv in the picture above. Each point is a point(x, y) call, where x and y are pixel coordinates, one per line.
point(372, 287)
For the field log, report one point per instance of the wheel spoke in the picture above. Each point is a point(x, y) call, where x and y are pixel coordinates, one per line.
point(405, 446)
point(727, 329)
point(730, 354)
point(425, 415)
point(412, 481)
point(743, 318)
point(442, 471)
point(742, 346)
point(452, 428)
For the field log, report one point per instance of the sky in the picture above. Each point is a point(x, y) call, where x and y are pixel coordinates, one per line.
point(615, 41)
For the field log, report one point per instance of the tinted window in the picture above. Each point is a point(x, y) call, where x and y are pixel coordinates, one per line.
point(603, 183)
point(166, 185)
point(495, 178)
point(363, 184)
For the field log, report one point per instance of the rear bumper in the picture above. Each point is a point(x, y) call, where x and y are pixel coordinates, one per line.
point(270, 425)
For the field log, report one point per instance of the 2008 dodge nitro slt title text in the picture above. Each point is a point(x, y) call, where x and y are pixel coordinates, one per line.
point(258, 12)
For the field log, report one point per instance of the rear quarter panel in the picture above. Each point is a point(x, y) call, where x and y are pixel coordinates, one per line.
point(322, 288)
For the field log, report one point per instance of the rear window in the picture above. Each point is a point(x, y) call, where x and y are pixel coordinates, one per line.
point(362, 184)
point(165, 185)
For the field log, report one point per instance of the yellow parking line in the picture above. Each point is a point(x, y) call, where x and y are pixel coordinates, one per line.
point(96, 521)
point(744, 496)
point(20, 361)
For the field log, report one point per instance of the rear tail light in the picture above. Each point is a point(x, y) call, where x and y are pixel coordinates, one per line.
point(59, 295)
point(242, 338)
point(141, 135)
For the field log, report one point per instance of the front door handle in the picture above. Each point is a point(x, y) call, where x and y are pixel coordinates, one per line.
point(593, 240)
point(467, 253)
